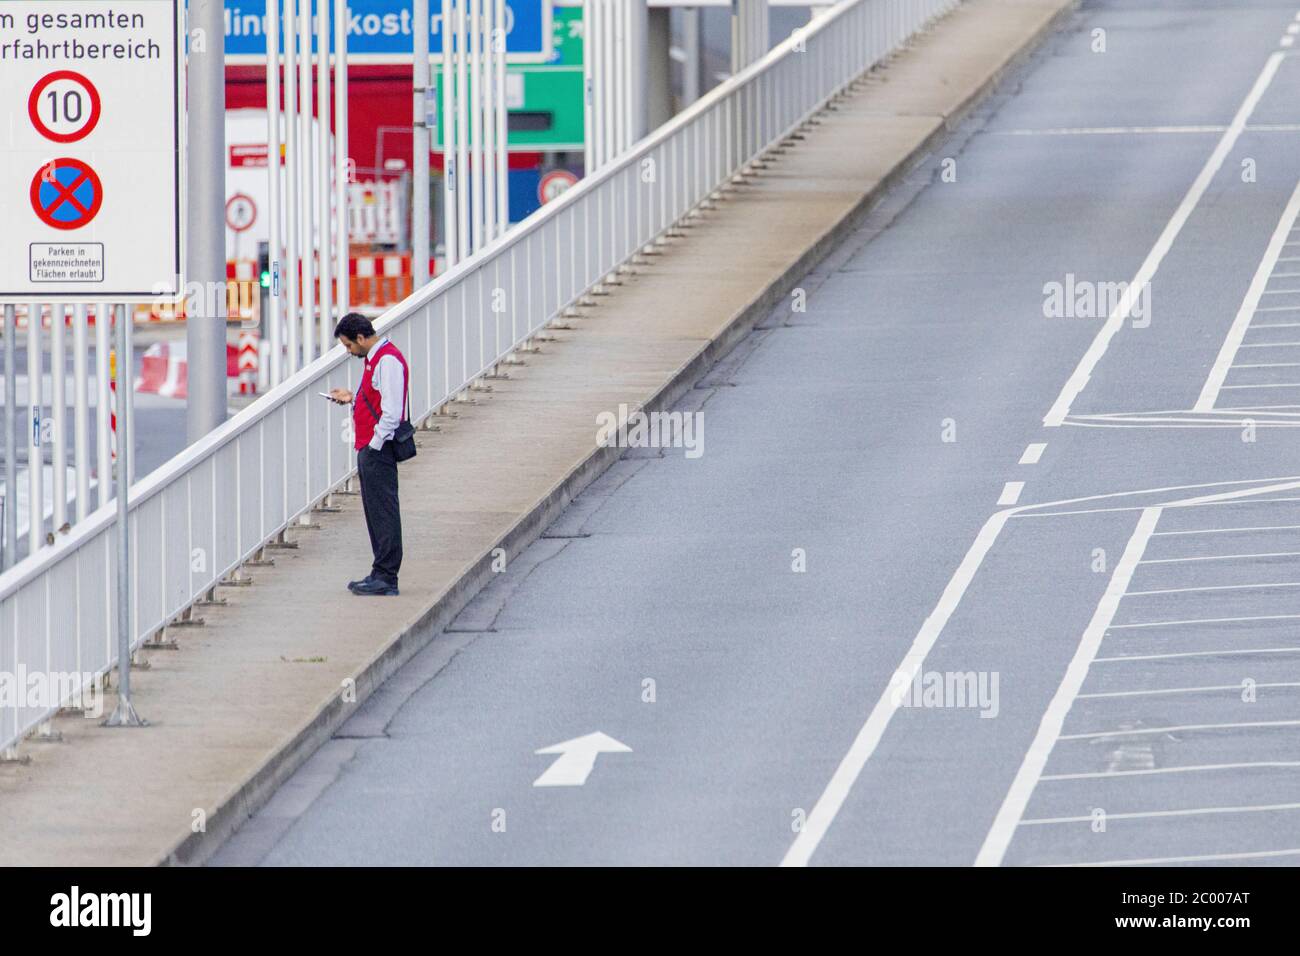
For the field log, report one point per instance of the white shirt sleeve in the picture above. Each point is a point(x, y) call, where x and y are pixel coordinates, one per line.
point(390, 382)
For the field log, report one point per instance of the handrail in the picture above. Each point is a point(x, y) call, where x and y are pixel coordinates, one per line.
point(214, 505)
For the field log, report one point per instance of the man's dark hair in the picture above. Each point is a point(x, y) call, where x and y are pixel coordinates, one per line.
point(353, 326)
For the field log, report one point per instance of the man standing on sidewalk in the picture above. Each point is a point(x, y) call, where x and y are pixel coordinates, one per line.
point(378, 407)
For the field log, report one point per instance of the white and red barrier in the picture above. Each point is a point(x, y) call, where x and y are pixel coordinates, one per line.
point(164, 370)
point(249, 360)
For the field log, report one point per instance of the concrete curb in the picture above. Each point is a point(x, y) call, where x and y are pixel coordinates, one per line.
point(239, 805)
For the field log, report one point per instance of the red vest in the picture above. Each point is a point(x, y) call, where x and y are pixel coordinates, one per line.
point(363, 420)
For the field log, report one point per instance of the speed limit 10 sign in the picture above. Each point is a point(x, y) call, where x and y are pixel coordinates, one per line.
point(64, 106)
point(90, 150)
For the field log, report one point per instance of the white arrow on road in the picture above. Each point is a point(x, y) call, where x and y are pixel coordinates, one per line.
point(577, 758)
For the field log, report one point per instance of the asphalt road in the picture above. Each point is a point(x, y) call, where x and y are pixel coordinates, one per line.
point(1075, 537)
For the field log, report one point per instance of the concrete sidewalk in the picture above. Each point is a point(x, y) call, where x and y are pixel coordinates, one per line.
point(269, 677)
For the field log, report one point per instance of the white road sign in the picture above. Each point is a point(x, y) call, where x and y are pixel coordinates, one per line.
point(90, 150)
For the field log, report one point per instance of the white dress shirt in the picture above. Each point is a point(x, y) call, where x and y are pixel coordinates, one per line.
point(387, 377)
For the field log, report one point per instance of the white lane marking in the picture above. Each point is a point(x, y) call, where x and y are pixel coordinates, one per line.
point(869, 735)
point(1049, 729)
point(1181, 690)
point(577, 758)
point(1266, 527)
point(1223, 557)
point(1183, 411)
point(1265, 345)
point(1226, 652)
point(1239, 497)
point(1098, 734)
point(1204, 858)
point(1142, 130)
point(1033, 453)
point(1177, 423)
point(1214, 587)
point(1195, 504)
point(1258, 486)
point(1199, 768)
point(1271, 364)
point(1207, 620)
point(1280, 308)
point(1056, 415)
point(871, 732)
point(1267, 385)
point(1106, 130)
point(1288, 41)
point(1150, 814)
point(1011, 492)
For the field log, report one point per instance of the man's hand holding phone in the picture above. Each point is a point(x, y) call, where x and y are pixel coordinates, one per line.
point(340, 395)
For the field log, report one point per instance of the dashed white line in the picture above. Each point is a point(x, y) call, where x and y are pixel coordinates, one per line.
point(1034, 452)
point(1011, 492)
point(1057, 414)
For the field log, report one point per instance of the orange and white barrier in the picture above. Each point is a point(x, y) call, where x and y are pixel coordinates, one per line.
point(164, 370)
point(249, 361)
point(47, 315)
point(382, 279)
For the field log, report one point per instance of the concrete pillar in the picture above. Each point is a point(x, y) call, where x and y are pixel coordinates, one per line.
point(205, 326)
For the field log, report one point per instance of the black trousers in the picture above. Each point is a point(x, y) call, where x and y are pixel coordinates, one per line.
point(378, 473)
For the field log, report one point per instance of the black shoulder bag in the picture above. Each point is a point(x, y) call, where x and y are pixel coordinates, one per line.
point(404, 435)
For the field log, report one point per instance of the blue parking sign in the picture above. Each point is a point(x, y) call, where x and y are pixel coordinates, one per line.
point(381, 31)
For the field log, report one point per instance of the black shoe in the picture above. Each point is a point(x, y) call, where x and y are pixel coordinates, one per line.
point(376, 587)
point(353, 585)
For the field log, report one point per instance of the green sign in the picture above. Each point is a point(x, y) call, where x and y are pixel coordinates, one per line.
point(545, 99)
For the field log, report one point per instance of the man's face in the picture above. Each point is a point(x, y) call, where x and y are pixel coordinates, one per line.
point(354, 346)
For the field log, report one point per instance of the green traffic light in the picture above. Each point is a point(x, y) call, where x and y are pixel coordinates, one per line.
point(266, 280)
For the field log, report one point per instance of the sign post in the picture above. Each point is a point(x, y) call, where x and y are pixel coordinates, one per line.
point(90, 198)
point(90, 154)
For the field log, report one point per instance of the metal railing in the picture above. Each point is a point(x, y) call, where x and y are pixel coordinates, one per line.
point(201, 515)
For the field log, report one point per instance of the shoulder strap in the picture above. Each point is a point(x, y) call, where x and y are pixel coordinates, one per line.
point(406, 381)
point(365, 399)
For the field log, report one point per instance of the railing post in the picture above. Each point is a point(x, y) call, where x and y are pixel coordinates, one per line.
point(124, 715)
